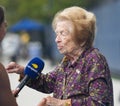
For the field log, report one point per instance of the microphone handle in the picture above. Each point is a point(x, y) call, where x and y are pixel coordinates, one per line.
point(21, 85)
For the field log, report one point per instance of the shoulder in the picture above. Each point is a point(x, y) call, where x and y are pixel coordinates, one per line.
point(97, 63)
point(1, 67)
point(2, 71)
point(95, 56)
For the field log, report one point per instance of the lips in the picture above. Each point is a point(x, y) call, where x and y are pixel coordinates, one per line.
point(59, 47)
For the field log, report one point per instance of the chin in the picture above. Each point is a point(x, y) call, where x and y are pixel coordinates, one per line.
point(61, 52)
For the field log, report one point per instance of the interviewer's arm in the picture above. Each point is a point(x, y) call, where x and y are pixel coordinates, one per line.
point(6, 96)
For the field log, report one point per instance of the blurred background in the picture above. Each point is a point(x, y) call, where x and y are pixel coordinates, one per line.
point(30, 34)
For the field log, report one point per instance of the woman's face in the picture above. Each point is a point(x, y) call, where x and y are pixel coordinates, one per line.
point(3, 30)
point(64, 32)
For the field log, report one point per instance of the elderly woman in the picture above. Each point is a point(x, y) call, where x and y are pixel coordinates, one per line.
point(83, 76)
point(6, 96)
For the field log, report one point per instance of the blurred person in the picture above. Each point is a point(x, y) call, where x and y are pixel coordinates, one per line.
point(25, 39)
point(10, 47)
point(6, 96)
point(83, 77)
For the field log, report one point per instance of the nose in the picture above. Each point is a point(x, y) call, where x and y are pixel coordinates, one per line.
point(57, 39)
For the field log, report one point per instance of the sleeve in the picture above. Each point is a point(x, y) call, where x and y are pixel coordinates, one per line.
point(44, 83)
point(96, 96)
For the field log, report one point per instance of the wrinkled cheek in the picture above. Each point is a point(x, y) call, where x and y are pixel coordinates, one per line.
point(69, 49)
point(63, 50)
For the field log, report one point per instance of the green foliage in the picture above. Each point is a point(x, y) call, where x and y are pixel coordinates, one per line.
point(41, 10)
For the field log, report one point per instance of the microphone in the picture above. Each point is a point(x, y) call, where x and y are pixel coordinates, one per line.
point(32, 70)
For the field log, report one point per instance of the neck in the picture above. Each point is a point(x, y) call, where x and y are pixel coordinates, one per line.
point(75, 55)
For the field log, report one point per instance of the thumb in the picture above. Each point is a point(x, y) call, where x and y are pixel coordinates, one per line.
point(42, 102)
point(15, 92)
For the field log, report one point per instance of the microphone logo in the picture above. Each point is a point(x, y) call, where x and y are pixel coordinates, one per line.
point(35, 66)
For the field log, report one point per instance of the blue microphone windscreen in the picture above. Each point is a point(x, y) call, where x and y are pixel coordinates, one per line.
point(34, 67)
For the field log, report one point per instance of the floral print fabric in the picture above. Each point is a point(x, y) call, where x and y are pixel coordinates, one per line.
point(87, 82)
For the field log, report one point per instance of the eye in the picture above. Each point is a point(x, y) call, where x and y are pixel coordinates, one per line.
point(64, 33)
point(61, 33)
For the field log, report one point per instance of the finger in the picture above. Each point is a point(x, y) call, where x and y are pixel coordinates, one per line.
point(11, 65)
point(48, 97)
point(14, 70)
point(15, 92)
point(50, 101)
point(42, 103)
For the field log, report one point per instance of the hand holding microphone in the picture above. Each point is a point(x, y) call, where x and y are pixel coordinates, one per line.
point(31, 71)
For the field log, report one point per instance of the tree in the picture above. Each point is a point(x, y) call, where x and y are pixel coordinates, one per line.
point(41, 10)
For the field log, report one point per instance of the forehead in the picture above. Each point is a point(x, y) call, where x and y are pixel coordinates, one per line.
point(66, 25)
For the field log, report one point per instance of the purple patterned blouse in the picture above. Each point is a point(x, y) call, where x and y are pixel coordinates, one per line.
point(87, 82)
